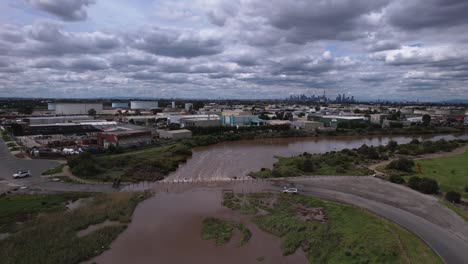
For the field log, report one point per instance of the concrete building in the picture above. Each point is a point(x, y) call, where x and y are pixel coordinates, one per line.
point(125, 139)
point(175, 134)
point(306, 125)
point(141, 105)
point(334, 120)
point(188, 107)
point(43, 120)
point(120, 105)
point(200, 122)
point(242, 120)
point(77, 108)
point(378, 118)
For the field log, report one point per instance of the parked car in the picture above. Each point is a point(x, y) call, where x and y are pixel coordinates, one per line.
point(22, 174)
point(290, 190)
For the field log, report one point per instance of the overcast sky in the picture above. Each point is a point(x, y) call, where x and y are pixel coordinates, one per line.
point(401, 49)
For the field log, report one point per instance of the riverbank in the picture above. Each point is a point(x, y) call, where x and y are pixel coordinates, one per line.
point(160, 221)
point(354, 162)
point(63, 227)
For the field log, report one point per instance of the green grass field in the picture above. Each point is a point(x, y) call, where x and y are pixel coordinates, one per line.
point(344, 235)
point(450, 172)
point(49, 232)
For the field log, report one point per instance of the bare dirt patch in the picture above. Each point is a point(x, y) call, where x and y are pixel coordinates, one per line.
point(311, 214)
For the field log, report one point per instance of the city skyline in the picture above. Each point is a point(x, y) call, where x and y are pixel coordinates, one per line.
point(399, 50)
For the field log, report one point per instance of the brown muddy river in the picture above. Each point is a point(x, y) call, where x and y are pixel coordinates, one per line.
point(236, 159)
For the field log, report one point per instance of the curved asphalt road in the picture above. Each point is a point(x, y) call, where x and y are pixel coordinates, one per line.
point(447, 245)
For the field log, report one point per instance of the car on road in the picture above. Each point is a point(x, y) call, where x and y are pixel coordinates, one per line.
point(290, 190)
point(22, 174)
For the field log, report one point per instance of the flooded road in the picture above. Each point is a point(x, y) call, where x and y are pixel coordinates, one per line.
point(236, 159)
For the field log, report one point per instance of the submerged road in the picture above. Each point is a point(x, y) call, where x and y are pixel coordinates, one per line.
point(447, 240)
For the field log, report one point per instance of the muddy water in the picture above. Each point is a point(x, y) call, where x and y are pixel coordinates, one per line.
point(236, 159)
point(166, 229)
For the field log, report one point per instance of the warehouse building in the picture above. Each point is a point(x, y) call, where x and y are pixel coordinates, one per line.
point(77, 108)
point(242, 120)
point(306, 125)
point(120, 105)
point(175, 134)
point(334, 120)
point(142, 105)
point(200, 122)
point(124, 139)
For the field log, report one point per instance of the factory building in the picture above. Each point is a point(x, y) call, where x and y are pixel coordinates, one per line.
point(125, 139)
point(120, 105)
point(175, 134)
point(200, 122)
point(306, 125)
point(334, 120)
point(141, 105)
point(43, 120)
point(242, 120)
point(77, 108)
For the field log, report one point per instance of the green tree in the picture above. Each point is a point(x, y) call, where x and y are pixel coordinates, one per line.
point(426, 119)
point(392, 145)
point(25, 110)
point(308, 165)
point(401, 164)
point(92, 112)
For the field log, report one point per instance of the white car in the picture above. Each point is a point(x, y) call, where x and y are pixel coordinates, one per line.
point(22, 174)
point(290, 190)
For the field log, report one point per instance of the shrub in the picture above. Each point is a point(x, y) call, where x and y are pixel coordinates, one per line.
point(424, 185)
point(401, 164)
point(453, 197)
point(397, 179)
point(414, 182)
point(308, 165)
point(466, 188)
point(428, 186)
point(392, 145)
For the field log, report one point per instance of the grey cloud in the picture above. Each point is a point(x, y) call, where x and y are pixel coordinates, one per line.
point(48, 38)
point(383, 45)
point(68, 10)
point(178, 44)
point(420, 14)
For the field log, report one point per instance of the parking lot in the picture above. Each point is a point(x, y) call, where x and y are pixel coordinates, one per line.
point(10, 164)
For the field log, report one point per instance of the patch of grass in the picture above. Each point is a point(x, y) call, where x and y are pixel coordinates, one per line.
point(222, 231)
point(450, 172)
point(54, 170)
point(459, 211)
point(52, 237)
point(239, 203)
point(18, 209)
point(140, 165)
point(349, 234)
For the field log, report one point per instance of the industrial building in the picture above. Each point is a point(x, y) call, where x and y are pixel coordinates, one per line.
point(242, 120)
point(43, 120)
point(125, 139)
point(334, 120)
point(200, 122)
point(120, 105)
point(141, 105)
point(175, 134)
point(306, 125)
point(77, 108)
